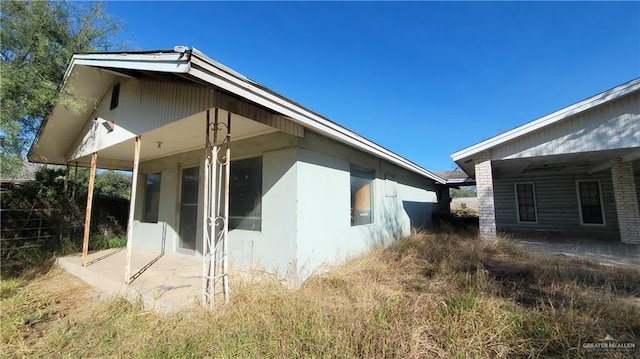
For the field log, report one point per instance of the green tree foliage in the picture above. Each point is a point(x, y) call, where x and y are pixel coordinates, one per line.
point(39, 218)
point(37, 40)
point(113, 184)
point(464, 192)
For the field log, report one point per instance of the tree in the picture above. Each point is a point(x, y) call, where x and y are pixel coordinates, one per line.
point(37, 40)
point(464, 192)
point(113, 184)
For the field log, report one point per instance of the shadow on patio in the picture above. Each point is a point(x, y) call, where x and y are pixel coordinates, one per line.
point(600, 251)
point(163, 283)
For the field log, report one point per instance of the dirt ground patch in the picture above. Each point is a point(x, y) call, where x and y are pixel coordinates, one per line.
point(69, 294)
point(41, 304)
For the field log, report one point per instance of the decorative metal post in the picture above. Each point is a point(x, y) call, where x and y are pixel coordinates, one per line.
point(216, 209)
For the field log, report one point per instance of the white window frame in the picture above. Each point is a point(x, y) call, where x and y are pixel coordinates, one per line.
point(604, 220)
point(535, 203)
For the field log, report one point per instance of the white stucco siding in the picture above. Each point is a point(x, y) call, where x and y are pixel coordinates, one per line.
point(163, 235)
point(612, 125)
point(306, 205)
point(273, 248)
point(325, 234)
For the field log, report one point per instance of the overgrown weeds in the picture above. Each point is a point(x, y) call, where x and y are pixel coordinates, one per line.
point(433, 295)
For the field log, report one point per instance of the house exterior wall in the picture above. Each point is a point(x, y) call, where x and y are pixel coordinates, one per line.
point(273, 247)
point(325, 234)
point(556, 205)
point(612, 125)
point(163, 235)
point(305, 205)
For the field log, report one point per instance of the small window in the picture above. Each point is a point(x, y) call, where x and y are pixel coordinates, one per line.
point(115, 96)
point(361, 196)
point(526, 202)
point(245, 194)
point(151, 197)
point(590, 202)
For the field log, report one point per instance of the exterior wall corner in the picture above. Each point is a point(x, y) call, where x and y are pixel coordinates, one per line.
point(626, 197)
point(486, 205)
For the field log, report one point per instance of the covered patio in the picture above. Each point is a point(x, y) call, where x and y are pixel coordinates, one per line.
point(163, 283)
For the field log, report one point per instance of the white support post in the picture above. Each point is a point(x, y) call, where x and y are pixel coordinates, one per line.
point(216, 226)
point(206, 219)
point(225, 236)
point(132, 203)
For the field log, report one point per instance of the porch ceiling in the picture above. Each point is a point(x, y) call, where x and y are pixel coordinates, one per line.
point(180, 136)
point(570, 163)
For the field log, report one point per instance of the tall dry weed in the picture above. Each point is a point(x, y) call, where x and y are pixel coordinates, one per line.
point(434, 295)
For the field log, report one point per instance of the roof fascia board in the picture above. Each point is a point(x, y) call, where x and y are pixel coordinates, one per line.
point(547, 120)
point(222, 79)
point(134, 57)
point(137, 65)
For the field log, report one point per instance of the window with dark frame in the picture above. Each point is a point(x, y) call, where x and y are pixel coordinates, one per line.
point(115, 96)
point(590, 202)
point(361, 196)
point(245, 194)
point(526, 202)
point(151, 197)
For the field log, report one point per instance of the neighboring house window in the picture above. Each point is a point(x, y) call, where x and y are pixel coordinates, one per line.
point(245, 194)
point(526, 202)
point(590, 202)
point(361, 196)
point(151, 197)
point(115, 96)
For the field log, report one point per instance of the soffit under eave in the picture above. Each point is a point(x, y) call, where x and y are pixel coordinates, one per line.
point(83, 90)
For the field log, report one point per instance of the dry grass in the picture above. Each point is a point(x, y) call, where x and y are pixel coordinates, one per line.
point(435, 295)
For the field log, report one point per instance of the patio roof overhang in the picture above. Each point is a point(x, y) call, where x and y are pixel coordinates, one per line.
point(582, 163)
point(89, 77)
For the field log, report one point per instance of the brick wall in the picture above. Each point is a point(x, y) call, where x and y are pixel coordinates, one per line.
point(626, 197)
point(484, 185)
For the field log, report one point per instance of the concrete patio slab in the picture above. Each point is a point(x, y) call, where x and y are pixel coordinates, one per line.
point(603, 252)
point(163, 283)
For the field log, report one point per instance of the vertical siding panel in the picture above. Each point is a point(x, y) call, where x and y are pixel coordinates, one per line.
point(147, 104)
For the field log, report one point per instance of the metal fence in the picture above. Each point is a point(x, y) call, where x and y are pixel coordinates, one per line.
point(21, 229)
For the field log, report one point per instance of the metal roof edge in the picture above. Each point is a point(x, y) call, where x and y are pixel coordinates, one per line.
point(304, 116)
point(559, 115)
point(102, 56)
point(241, 83)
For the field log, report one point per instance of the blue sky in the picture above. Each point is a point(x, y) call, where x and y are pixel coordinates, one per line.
point(423, 79)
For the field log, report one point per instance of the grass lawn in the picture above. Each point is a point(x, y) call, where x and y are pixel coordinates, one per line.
point(434, 295)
